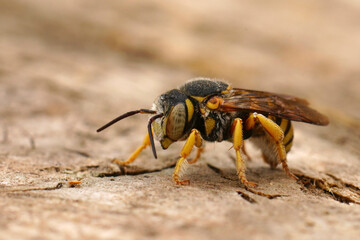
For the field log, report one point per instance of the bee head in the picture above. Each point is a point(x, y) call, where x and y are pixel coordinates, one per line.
point(177, 110)
point(173, 116)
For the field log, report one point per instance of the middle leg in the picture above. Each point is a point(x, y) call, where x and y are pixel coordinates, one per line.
point(238, 143)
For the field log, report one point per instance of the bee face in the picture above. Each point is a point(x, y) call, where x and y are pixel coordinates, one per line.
point(171, 127)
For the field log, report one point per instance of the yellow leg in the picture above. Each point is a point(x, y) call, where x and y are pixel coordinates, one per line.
point(238, 143)
point(198, 154)
point(133, 156)
point(193, 139)
point(278, 135)
point(245, 152)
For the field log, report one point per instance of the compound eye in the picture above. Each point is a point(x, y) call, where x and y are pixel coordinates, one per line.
point(214, 102)
point(176, 122)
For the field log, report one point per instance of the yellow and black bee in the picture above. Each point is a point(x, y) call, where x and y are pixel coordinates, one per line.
point(211, 110)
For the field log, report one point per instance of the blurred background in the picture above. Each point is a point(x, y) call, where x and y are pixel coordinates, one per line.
point(307, 48)
point(67, 67)
point(73, 65)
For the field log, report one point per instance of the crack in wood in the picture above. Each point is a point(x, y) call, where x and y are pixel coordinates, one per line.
point(220, 172)
point(133, 170)
point(346, 184)
point(253, 191)
point(269, 196)
point(58, 186)
point(246, 197)
point(55, 169)
point(330, 189)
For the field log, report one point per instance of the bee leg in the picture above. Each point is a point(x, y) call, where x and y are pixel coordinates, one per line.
point(277, 135)
point(133, 156)
point(238, 143)
point(193, 139)
point(198, 154)
point(245, 152)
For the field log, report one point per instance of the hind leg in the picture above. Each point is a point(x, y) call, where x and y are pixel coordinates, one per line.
point(277, 135)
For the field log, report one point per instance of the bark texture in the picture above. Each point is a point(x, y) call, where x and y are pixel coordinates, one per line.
point(67, 67)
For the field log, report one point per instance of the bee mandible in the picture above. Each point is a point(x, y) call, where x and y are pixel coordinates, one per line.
point(211, 110)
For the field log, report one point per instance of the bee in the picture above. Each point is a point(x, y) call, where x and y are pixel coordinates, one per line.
point(211, 110)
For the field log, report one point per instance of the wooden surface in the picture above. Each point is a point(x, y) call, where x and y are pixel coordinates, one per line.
point(68, 67)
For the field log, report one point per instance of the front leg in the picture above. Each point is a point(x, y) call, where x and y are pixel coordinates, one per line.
point(146, 142)
point(238, 143)
point(193, 139)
